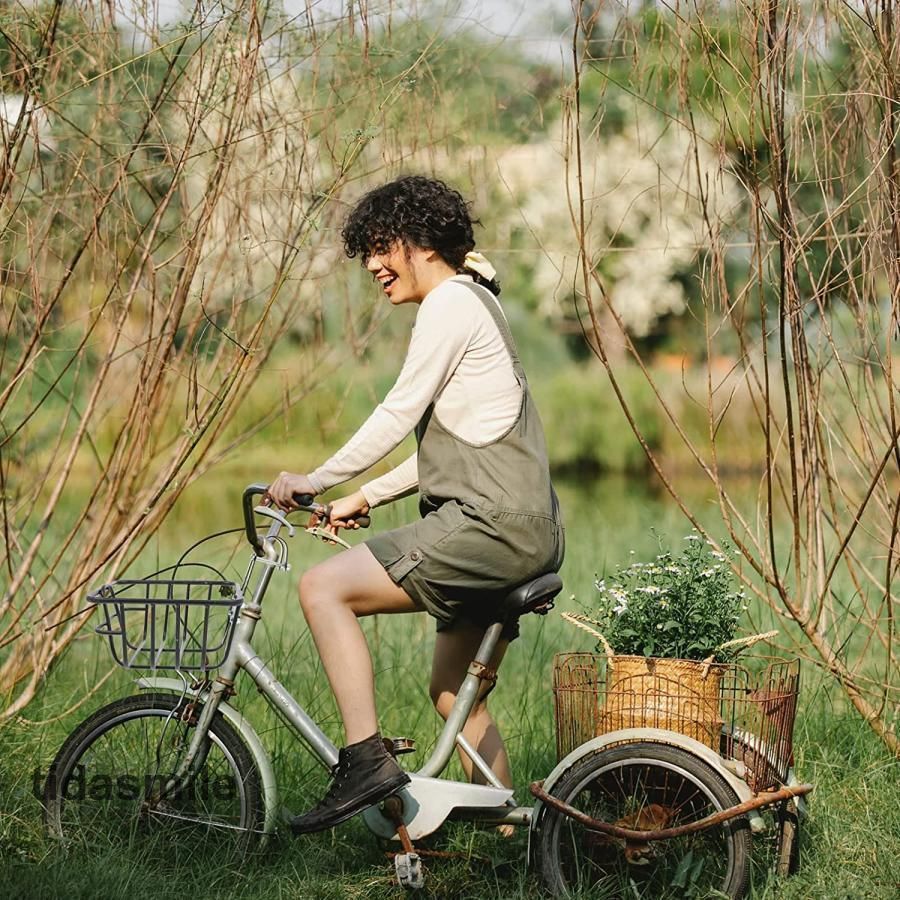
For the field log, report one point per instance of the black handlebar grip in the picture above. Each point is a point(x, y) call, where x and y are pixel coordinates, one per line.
point(363, 521)
point(251, 491)
point(303, 499)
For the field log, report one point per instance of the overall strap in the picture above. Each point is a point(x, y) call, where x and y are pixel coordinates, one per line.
point(493, 307)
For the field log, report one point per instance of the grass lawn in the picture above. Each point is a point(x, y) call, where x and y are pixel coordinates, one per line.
point(851, 846)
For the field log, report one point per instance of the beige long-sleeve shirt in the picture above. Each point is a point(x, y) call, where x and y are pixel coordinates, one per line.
point(456, 359)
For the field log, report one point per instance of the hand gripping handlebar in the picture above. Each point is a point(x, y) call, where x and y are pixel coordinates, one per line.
point(305, 502)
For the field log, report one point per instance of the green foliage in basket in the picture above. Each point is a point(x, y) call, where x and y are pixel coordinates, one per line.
point(681, 606)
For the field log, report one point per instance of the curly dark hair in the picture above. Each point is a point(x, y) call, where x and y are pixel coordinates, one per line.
point(418, 211)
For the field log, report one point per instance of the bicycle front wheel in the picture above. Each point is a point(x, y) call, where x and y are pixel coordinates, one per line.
point(644, 787)
point(112, 779)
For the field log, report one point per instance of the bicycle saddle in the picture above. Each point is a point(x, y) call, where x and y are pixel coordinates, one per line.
point(533, 596)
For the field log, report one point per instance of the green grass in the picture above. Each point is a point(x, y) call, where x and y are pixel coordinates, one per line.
point(852, 835)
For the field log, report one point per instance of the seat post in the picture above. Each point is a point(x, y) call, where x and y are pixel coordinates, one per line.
point(489, 643)
point(465, 700)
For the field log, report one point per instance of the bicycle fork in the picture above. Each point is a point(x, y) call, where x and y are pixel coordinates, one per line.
point(191, 763)
point(242, 656)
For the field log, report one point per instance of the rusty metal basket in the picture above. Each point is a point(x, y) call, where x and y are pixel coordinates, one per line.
point(744, 712)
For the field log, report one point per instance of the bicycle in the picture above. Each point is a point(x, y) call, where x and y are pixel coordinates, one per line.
point(180, 757)
point(183, 755)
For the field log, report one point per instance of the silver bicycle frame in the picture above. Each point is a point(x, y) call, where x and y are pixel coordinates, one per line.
point(242, 656)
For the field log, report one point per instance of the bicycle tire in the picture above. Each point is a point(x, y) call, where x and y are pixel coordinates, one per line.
point(787, 844)
point(643, 786)
point(106, 783)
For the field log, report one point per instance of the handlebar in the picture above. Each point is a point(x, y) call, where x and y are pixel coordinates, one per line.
point(305, 502)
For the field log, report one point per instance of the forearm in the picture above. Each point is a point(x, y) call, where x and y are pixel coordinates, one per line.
point(399, 482)
point(438, 343)
point(377, 437)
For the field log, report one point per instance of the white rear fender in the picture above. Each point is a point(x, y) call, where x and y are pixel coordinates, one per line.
point(656, 736)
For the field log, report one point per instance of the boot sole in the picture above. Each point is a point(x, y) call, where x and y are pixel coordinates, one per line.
point(364, 801)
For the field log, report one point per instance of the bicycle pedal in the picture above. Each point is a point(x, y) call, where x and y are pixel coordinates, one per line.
point(399, 745)
point(408, 868)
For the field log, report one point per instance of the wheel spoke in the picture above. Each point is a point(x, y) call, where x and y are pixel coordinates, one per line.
point(113, 779)
point(644, 787)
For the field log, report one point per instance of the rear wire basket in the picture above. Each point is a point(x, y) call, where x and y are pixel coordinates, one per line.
point(168, 623)
point(757, 704)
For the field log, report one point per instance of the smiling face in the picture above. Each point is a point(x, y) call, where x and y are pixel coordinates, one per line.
point(407, 273)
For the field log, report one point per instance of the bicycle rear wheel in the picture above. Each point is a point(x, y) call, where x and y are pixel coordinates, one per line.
point(110, 781)
point(644, 787)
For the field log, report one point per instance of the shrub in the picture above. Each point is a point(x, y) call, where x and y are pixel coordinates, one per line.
point(681, 606)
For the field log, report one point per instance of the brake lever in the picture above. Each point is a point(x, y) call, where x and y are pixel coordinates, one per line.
point(328, 537)
point(272, 513)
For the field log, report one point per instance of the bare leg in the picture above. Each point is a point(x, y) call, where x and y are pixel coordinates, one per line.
point(333, 595)
point(453, 651)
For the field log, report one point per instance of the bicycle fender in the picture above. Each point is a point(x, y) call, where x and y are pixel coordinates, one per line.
point(243, 728)
point(631, 735)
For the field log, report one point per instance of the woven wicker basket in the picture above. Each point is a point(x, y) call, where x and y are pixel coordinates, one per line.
point(678, 695)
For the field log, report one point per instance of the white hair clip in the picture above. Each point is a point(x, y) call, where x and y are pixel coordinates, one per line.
point(476, 262)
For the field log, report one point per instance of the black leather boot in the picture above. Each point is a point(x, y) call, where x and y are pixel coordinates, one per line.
point(364, 775)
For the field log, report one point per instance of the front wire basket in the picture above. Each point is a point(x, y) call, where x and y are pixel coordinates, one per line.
point(168, 623)
point(751, 720)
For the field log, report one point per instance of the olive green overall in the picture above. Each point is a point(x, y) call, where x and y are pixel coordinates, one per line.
point(490, 517)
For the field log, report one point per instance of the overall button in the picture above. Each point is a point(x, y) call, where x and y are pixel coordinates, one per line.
point(415, 556)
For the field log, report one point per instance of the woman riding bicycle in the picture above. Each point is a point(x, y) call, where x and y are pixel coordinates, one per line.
point(490, 517)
